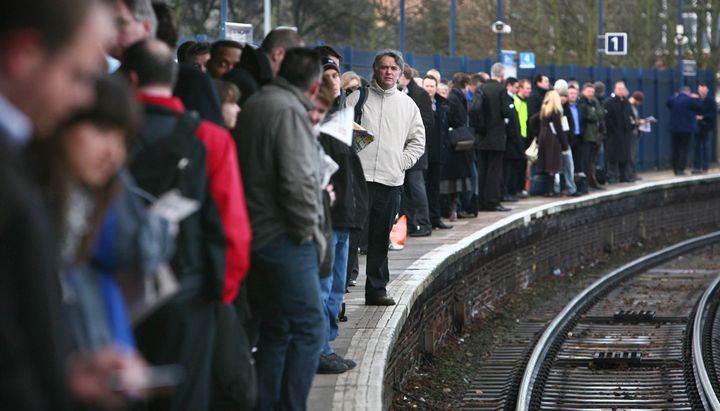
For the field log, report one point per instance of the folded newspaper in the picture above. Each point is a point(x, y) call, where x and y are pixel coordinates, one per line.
point(361, 137)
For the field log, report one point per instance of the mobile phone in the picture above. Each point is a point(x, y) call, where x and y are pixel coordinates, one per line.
point(146, 378)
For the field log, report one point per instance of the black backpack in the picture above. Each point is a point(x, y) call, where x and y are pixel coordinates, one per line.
point(153, 157)
point(476, 112)
point(162, 161)
point(360, 104)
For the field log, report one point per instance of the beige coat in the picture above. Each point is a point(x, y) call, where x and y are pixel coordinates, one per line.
point(394, 119)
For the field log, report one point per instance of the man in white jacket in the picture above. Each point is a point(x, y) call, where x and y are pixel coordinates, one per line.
point(394, 120)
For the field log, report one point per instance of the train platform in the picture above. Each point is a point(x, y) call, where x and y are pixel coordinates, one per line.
point(370, 332)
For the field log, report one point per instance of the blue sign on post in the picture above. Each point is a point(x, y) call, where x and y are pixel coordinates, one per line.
point(616, 44)
point(507, 58)
point(527, 60)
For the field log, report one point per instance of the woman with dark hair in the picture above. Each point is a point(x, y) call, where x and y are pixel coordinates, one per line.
point(106, 237)
point(457, 170)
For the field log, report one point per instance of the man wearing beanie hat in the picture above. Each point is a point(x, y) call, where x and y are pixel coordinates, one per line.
point(348, 214)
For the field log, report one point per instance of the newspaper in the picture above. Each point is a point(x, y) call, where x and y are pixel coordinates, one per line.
point(361, 138)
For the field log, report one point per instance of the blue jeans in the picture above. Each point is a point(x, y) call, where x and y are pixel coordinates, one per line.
point(332, 287)
point(701, 159)
point(569, 172)
point(284, 292)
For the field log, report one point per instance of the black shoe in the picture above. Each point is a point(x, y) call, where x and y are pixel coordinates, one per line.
point(350, 364)
point(382, 301)
point(465, 214)
point(423, 232)
point(442, 226)
point(697, 171)
point(331, 365)
point(496, 208)
point(576, 194)
point(509, 199)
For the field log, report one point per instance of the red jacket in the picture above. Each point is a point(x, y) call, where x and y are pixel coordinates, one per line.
point(227, 192)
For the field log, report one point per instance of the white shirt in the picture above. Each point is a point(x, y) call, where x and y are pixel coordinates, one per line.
point(15, 123)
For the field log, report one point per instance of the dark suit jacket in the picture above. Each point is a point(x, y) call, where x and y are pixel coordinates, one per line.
point(32, 344)
point(496, 112)
point(424, 103)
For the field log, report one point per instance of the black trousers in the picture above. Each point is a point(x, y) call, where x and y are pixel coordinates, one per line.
point(513, 176)
point(182, 332)
point(680, 143)
point(579, 159)
point(490, 177)
point(432, 189)
point(384, 202)
point(415, 201)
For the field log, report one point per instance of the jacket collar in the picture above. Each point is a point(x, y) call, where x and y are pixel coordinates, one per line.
point(173, 103)
point(376, 87)
point(285, 85)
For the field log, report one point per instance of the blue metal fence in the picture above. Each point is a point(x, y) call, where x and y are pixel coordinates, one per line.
point(658, 86)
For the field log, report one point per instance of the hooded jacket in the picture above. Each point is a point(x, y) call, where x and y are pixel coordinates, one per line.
point(394, 120)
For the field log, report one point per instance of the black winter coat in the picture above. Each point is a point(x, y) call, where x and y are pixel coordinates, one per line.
point(458, 162)
point(494, 138)
point(424, 102)
point(351, 194)
point(534, 101)
point(618, 115)
point(437, 141)
point(515, 149)
point(33, 345)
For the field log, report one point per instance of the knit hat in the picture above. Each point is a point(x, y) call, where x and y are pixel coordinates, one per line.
point(599, 87)
point(329, 64)
point(561, 86)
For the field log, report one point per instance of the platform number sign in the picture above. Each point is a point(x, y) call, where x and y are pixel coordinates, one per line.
point(616, 44)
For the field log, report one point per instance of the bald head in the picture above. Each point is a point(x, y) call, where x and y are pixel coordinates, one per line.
point(150, 63)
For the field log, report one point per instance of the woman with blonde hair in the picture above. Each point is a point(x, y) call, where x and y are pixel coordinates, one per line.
point(350, 81)
point(552, 140)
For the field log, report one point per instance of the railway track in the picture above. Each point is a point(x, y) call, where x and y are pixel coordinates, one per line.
point(642, 337)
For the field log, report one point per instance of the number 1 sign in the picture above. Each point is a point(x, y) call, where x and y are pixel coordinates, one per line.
point(616, 44)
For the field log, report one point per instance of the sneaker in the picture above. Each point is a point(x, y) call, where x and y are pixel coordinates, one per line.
point(350, 364)
point(395, 247)
point(352, 283)
point(331, 365)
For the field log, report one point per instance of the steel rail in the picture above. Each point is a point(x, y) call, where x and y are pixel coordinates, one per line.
point(582, 300)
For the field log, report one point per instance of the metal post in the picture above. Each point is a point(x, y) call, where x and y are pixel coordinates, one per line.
point(679, 46)
point(601, 38)
point(223, 17)
point(452, 28)
point(402, 26)
point(267, 10)
point(498, 46)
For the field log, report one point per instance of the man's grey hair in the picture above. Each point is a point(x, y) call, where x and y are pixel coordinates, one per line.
point(142, 10)
point(397, 55)
point(497, 70)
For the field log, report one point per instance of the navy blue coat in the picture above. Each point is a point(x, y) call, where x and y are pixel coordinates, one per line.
point(683, 110)
point(709, 113)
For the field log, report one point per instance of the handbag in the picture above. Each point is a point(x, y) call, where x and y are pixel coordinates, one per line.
point(462, 138)
point(532, 152)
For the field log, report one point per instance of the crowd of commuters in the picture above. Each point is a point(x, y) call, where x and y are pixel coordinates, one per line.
point(176, 232)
